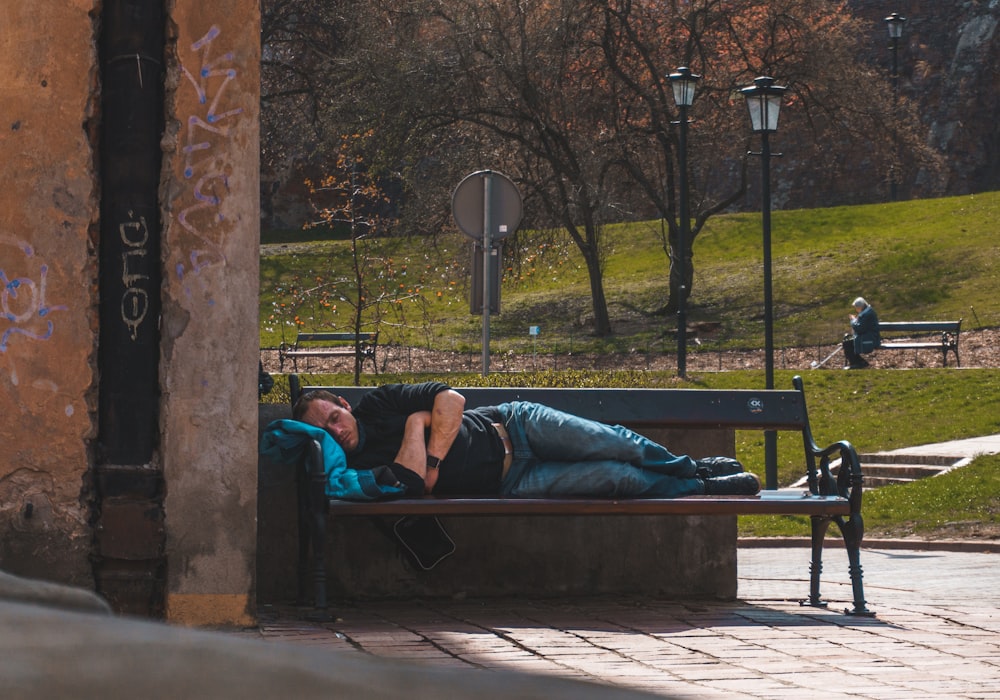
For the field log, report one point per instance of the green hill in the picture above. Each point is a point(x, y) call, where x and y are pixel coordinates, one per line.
point(925, 259)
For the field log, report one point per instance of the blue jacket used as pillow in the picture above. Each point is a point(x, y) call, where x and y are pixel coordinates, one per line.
point(286, 440)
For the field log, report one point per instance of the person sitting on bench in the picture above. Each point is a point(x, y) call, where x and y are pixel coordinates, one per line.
point(421, 436)
point(865, 336)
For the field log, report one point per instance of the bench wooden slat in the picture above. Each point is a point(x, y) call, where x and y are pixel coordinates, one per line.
point(921, 326)
point(771, 503)
point(906, 345)
point(321, 337)
point(319, 352)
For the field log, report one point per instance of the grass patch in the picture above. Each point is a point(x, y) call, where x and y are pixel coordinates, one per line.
point(962, 499)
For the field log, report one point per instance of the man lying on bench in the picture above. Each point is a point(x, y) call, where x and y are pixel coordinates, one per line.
point(420, 438)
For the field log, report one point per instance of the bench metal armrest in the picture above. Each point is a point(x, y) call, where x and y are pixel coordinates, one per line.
point(315, 477)
point(283, 349)
point(368, 345)
point(848, 482)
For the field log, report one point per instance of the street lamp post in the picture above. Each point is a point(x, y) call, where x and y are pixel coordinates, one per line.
point(764, 102)
point(683, 82)
point(895, 25)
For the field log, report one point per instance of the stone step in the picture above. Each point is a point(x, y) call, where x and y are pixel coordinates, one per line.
point(907, 472)
point(886, 469)
point(882, 458)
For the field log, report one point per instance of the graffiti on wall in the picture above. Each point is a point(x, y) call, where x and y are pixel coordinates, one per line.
point(205, 150)
point(25, 309)
point(135, 299)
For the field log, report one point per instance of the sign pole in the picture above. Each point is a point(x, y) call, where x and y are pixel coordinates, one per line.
point(498, 217)
point(487, 250)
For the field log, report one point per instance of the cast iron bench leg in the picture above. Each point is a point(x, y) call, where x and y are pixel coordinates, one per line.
point(315, 526)
point(305, 529)
point(820, 524)
point(319, 561)
point(852, 531)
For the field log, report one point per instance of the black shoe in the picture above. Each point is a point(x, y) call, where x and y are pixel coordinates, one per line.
point(714, 467)
point(743, 484)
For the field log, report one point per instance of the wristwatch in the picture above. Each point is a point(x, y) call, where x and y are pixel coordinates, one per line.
point(433, 462)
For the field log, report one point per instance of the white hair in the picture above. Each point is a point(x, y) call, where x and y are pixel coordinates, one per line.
point(860, 301)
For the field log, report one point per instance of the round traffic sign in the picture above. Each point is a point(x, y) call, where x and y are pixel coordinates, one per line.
point(468, 205)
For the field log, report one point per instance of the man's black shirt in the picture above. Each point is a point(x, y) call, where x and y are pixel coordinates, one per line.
point(473, 464)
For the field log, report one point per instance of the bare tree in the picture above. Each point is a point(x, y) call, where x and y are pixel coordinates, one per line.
point(812, 48)
point(519, 79)
point(571, 98)
point(350, 197)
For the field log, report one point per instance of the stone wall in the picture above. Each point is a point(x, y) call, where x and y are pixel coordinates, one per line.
point(51, 231)
point(48, 212)
point(948, 58)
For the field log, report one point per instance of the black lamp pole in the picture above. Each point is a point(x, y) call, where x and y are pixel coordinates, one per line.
point(895, 25)
point(683, 82)
point(764, 102)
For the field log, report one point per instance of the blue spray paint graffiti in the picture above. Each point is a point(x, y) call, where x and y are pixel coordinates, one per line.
point(204, 150)
point(23, 306)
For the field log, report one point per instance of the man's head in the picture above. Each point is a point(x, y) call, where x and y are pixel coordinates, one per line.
point(330, 412)
point(860, 304)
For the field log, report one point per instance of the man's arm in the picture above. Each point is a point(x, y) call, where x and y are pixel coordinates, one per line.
point(444, 421)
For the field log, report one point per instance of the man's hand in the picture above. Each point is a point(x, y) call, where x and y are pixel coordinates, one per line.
point(413, 452)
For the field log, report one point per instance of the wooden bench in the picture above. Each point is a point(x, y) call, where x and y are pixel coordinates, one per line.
point(362, 345)
point(830, 498)
point(947, 340)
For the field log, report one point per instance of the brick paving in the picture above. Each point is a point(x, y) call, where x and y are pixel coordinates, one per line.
point(936, 633)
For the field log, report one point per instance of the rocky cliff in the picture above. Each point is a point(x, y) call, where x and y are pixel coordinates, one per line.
point(949, 65)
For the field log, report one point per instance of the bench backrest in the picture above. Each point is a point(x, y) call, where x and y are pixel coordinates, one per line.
point(920, 326)
point(695, 408)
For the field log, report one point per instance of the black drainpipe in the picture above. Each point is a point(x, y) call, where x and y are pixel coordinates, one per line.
point(129, 561)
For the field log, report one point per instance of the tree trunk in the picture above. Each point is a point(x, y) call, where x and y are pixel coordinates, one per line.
point(589, 244)
point(602, 320)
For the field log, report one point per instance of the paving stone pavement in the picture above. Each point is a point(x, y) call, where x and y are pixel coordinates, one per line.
point(936, 633)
